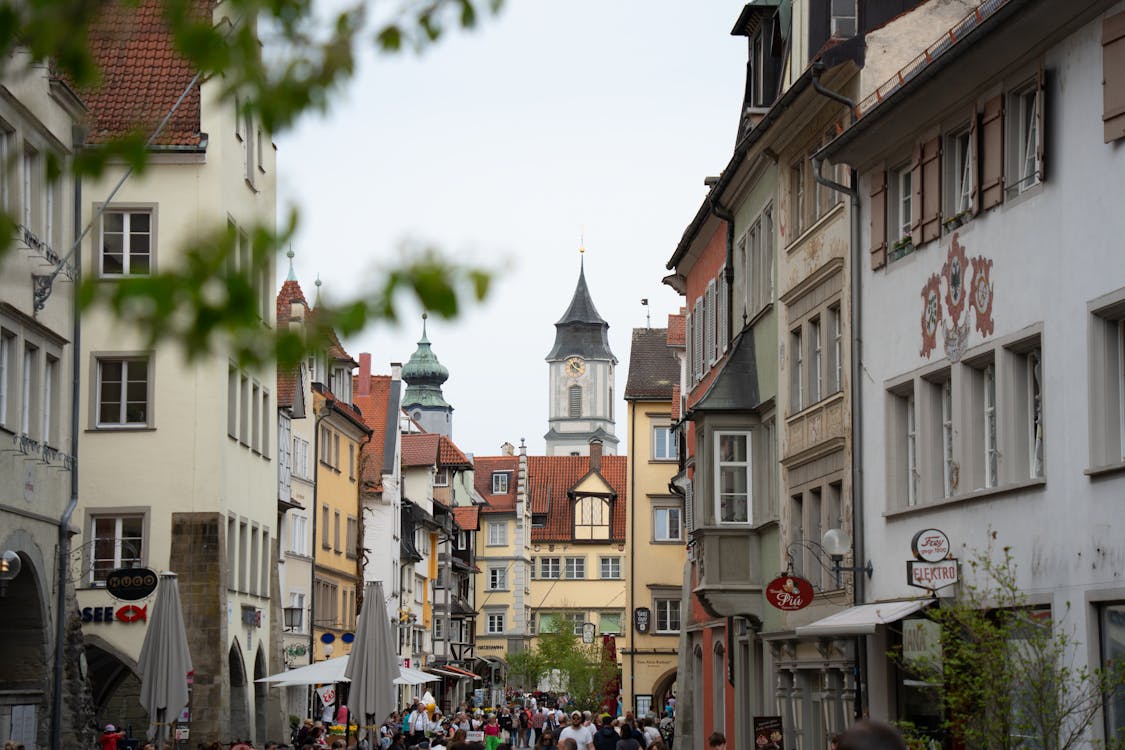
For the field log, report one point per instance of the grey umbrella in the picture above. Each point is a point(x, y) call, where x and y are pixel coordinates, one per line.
point(165, 662)
point(373, 664)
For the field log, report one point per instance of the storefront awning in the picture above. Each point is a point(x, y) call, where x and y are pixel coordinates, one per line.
point(862, 619)
point(462, 672)
point(445, 672)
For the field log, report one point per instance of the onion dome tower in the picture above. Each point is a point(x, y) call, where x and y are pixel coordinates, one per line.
point(423, 400)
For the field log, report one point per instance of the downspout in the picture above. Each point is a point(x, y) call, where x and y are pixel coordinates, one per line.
point(856, 371)
point(68, 513)
point(632, 552)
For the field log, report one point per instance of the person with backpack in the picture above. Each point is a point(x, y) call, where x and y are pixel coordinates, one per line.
point(606, 737)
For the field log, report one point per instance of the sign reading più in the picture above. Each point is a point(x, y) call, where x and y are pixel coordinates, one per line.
point(934, 567)
point(789, 593)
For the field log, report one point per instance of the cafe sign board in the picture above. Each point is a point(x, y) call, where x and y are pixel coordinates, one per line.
point(789, 593)
point(933, 566)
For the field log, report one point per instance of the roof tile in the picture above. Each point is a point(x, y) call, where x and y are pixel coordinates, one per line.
point(373, 405)
point(467, 517)
point(485, 467)
point(653, 368)
point(550, 478)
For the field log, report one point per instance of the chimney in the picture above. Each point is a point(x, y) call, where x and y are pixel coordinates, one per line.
point(396, 371)
point(364, 374)
point(507, 449)
point(595, 455)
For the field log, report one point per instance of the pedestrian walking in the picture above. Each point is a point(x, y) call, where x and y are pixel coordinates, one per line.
point(110, 737)
point(606, 738)
point(546, 741)
point(582, 736)
point(491, 733)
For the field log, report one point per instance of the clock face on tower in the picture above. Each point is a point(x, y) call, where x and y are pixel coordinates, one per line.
point(575, 366)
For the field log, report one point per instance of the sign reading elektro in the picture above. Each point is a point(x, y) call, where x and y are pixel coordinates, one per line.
point(934, 566)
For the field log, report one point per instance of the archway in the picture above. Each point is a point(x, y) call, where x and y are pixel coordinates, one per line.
point(239, 709)
point(663, 690)
point(24, 665)
point(261, 696)
point(114, 686)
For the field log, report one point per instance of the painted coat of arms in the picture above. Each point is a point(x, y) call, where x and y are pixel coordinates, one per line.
point(946, 314)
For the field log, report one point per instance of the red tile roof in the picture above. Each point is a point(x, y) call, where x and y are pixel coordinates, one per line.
point(420, 449)
point(288, 379)
point(550, 478)
point(677, 327)
point(485, 467)
point(450, 455)
point(374, 408)
point(467, 517)
point(142, 76)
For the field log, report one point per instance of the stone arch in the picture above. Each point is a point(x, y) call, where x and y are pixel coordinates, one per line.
point(239, 706)
point(115, 684)
point(718, 683)
point(25, 637)
point(261, 696)
point(662, 689)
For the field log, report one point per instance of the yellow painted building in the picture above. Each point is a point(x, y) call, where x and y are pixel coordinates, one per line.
point(655, 548)
point(337, 575)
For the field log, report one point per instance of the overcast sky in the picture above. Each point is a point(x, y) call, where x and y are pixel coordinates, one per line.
point(499, 146)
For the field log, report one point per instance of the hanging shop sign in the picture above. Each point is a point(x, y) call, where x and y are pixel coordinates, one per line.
point(128, 613)
point(930, 545)
point(789, 593)
point(934, 567)
point(131, 584)
point(642, 619)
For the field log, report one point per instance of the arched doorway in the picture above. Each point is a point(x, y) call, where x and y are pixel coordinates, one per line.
point(239, 709)
point(114, 686)
point(663, 690)
point(24, 666)
point(261, 695)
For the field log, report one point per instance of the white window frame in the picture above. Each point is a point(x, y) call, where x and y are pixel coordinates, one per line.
point(666, 603)
point(835, 351)
point(497, 578)
point(663, 443)
point(609, 568)
point(497, 534)
point(127, 235)
point(816, 356)
point(550, 568)
point(988, 416)
point(119, 542)
point(844, 24)
point(441, 477)
point(574, 568)
point(1024, 104)
point(124, 360)
point(720, 464)
point(911, 439)
point(494, 623)
point(947, 450)
point(500, 482)
point(797, 375)
point(664, 535)
point(7, 343)
point(900, 204)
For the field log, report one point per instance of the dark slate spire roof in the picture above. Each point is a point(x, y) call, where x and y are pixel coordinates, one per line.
point(581, 331)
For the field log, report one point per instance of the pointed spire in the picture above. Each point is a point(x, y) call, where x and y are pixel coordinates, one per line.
point(424, 339)
point(316, 302)
point(292, 274)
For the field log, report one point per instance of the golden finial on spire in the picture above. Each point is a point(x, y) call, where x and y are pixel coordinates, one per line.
point(582, 240)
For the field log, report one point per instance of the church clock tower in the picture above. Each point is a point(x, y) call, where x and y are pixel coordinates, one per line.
point(581, 379)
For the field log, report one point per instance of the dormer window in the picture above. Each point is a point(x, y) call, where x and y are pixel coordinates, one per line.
point(499, 483)
point(845, 20)
point(591, 518)
point(441, 478)
point(341, 385)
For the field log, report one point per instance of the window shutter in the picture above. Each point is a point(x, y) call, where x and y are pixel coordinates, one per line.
point(916, 201)
point(931, 189)
point(878, 219)
point(974, 161)
point(689, 508)
point(709, 334)
point(700, 324)
point(688, 339)
point(1041, 116)
point(992, 153)
point(1113, 77)
point(724, 317)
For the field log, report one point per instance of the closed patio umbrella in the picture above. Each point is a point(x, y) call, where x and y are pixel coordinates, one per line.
point(164, 662)
point(373, 665)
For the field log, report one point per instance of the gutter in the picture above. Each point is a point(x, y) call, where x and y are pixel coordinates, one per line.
point(855, 299)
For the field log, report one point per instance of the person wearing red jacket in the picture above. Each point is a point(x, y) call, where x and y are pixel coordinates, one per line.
point(110, 737)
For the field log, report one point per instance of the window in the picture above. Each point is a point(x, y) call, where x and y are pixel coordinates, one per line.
point(663, 444)
point(902, 457)
point(988, 426)
point(7, 346)
point(255, 551)
point(267, 563)
point(1107, 378)
point(419, 589)
point(117, 542)
point(122, 392)
point(610, 623)
point(576, 620)
point(947, 461)
point(244, 410)
point(901, 205)
point(591, 518)
point(299, 535)
point(295, 622)
point(326, 601)
point(911, 438)
point(336, 451)
point(844, 18)
point(709, 312)
point(336, 531)
point(574, 401)
point(960, 166)
point(232, 552)
point(441, 478)
point(255, 418)
point(815, 374)
point(497, 578)
point(667, 615)
point(575, 567)
point(1030, 380)
point(232, 401)
point(796, 371)
point(32, 189)
point(324, 538)
point(439, 629)
point(48, 433)
point(1024, 106)
point(797, 196)
point(243, 553)
point(1113, 98)
point(666, 525)
point(797, 532)
point(352, 540)
point(126, 243)
point(732, 476)
point(29, 387)
point(549, 567)
point(497, 533)
point(698, 326)
point(495, 622)
point(1112, 626)
point(610, 568)
point(500, 483)
point(835, 373)
point(301, 458)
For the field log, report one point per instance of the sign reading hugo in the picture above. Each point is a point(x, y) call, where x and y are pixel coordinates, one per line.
point(789, 593)
point(934, 566)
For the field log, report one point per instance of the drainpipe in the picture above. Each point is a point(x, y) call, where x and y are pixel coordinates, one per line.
point(632, 555)
point(856, 373)
point(64, 521)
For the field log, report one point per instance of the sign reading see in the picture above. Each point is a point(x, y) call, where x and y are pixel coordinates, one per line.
point(789, 593)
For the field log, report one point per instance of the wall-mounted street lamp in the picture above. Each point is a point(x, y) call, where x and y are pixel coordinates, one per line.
point(835, 544)
point(10, 565)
